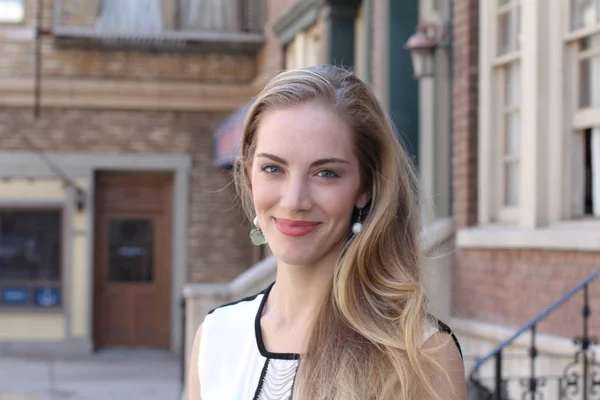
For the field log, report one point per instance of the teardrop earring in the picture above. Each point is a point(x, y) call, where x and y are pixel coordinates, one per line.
point(357, 226)
point(256, 235)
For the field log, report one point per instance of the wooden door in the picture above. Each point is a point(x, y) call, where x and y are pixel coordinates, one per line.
point(132, 273)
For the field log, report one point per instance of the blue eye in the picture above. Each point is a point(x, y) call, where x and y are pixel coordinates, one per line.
point(271, 169)
point(327, 173)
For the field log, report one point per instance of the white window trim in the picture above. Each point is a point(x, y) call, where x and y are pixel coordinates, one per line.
point(577, 235)
point(304, 49)
point(551, 186)
point(491, 166)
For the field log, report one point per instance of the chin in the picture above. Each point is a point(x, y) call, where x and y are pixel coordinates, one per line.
point(292, 254)
point(295, 258)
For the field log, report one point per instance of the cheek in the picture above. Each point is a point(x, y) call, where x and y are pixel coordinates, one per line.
point(262, 191)
point(340, 203)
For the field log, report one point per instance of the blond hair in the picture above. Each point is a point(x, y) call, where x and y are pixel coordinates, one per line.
point(366, 340)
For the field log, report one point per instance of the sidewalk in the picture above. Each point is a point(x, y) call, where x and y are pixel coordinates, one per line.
point(109, 375)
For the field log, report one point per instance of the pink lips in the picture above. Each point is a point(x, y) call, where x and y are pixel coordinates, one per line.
point(295, 228)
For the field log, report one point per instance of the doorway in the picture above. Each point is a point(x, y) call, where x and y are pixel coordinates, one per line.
point(132, 260)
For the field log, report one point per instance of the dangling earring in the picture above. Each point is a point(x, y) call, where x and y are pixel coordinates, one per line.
point(357, 226)
point(256, 235)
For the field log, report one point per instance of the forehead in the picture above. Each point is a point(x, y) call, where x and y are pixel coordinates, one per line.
point(307, 131)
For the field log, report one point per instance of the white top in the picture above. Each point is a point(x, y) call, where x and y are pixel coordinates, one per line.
point(233, 363)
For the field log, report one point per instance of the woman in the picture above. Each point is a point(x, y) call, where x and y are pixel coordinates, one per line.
point(333, 194)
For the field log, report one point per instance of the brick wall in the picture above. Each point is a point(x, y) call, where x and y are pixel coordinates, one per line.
point(219, 247)
point(273, 52)
point(18, 57)
point(511, 287)
point(465, 98)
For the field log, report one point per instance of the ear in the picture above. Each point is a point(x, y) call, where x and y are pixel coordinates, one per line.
point(362, 200)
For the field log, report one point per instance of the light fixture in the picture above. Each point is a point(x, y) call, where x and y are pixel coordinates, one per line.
point(422, 46)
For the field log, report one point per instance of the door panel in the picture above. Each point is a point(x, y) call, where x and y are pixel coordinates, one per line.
point(132, 268)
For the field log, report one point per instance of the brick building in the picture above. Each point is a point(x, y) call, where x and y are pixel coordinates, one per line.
point(525, 177)
point(109, 199)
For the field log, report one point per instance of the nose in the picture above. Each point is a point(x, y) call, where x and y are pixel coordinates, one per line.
point(296, 195)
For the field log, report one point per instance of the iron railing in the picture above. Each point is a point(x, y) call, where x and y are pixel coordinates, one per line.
point(579, 380)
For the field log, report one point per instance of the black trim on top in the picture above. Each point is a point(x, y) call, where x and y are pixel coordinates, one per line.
point(446, 329)
point(233, 303)
point(261, 381)
point(258, 332)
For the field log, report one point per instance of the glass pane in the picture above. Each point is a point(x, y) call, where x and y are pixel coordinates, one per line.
point(131, 250)
point(509, 29)
point(584, 13)
point(512, 91)
point(511, 184)
point(512, 139)
point(589, 82)
point(30, 243)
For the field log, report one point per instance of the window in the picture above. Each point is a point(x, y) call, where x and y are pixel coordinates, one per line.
point(584, 46)
point(589, 71)
point(507, 88)
point(584, 13)
point(30, 258)
point(12, 11)
point(140, 16)
point(303, 50)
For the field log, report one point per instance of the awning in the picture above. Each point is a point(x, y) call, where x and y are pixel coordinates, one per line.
point(227, 139)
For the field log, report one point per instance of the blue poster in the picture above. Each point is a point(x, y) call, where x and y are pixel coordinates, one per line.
point(46, 296)
point(14, 296)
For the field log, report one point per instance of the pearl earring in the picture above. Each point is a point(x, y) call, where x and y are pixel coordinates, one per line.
point(357, 226)
point(256, 235)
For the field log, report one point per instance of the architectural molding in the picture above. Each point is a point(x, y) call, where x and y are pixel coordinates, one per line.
point(126, 95)
point(564, 236)
point(300, 16)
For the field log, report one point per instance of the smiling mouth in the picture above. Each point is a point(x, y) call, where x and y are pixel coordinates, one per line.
point(295, 228)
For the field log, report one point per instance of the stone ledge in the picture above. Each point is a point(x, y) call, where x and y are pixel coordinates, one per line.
point(137, 95)
point(564, 236)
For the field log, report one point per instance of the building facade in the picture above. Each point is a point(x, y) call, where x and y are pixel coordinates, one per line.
point(109, 198)
point(526, 176)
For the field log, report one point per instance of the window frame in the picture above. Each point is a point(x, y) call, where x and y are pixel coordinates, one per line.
point(582, 118)
point(60, 283)
point(303, 50)
point(492, 158)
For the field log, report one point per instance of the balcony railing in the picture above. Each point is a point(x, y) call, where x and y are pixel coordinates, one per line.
point(160, 24)
point(580, 377)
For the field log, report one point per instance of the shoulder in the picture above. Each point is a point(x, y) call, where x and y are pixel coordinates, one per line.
point(443, 347)
point(232, 319)
point(434, 329)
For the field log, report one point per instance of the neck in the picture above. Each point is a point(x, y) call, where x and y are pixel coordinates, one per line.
point(299, 292)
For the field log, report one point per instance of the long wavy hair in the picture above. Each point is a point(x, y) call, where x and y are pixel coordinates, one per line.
point(366, 341)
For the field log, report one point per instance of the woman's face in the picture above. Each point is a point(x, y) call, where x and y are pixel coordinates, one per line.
point(305, 180)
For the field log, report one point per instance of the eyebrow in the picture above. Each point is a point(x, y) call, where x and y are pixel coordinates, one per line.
point(316, 163)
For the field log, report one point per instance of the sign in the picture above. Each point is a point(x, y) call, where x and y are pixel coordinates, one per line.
point(46, 296)
point(227, 140)
point(14, 296)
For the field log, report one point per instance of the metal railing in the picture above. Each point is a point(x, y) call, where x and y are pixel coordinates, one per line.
point(580, 378)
